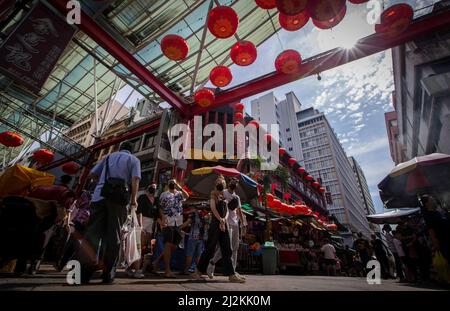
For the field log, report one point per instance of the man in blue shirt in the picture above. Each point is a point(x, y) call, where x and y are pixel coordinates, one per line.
point(108, 215)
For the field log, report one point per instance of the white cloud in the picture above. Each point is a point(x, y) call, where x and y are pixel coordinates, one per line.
point(368, 146)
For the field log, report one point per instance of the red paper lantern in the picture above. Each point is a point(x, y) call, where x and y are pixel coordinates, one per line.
point(270, 197)
point(395, 19)
point(309, 178)
point(268, 137)
point(70, 168)
point(238, 116)
point(204, 97)
point(174, 47)
point(331, 22)
point(292, 161)
point(287, 196)
point(11, 139)
point(281, 151)
point(316, 215)
point(239, 107)
point(243, 53)
point(288, 62)
point(291, 7)
point(273, 186)
point(254, 123)
point(358, 1)
point(236, 123)
point(315, 184)
point(332, 227)
point(266, 4)
point(43, 156)
point(324, 10)
point(277, 204)
point(293, 22)
point(301, 170)
point(223, 22)
point(322, 189)
point(220, 76)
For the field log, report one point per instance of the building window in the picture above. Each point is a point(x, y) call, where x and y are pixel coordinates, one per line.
point(149, 141)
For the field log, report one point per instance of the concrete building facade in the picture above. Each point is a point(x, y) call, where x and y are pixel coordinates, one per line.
point(325, 159)
point(422, 94)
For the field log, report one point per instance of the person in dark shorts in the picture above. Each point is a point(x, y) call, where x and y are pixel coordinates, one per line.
point(171, 207)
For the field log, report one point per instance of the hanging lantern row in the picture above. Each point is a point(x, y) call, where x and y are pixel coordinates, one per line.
point(238, 116)
point(395, 19)
point(243, 53)
point(293, 22)
point(43, 156)
point(324, 10)
point(291, 7)
point(332, 22)
point(11, 139)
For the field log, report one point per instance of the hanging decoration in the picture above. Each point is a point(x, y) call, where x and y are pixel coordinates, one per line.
point(223, 22)
point(331, 22)
point(239, 107)
point(282, 151)
point(11, 139)
point(266, 4)
point(238, 116)
point(204, 97)
point(315, 184)
point(174, 47)
point(268, 137)
point(358, 1)
point(324, 10)
point(291, 7)
point(288, 62)
point(292, 161)
point(293, 22)
point(269, 197)
point(43, 156)
point(71, 168)
point(243, 53)
point(220, 76)
point(301, 170)
point(395, 19)
point(309, 178)
point(322, 189)
point(273, 186)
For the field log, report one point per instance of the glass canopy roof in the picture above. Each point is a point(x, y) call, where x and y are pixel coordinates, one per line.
point(139, 25)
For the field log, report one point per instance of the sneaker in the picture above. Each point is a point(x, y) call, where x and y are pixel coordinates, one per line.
point(241, 276)
point(138, 275)
point(236, 279)
point(210, 271)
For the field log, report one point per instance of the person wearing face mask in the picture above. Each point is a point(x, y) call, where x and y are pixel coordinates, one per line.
point(233, 219)
point(171, 210)
point(218, 234)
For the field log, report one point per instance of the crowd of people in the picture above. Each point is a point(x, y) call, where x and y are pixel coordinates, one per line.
point(95, 235)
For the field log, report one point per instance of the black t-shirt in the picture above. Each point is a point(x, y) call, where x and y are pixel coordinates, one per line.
point(146, 207)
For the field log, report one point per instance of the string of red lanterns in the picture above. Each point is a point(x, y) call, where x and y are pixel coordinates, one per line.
point(288, 62)
point(220, 76)
point(204, 97)
point(266, 4)
point(293, 22)
point(395, 19)
point(43, 156)
point(243, 53)
point(174, 47)
point(291, 7)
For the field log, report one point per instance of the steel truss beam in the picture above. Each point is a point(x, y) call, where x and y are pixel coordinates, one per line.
point(423, 26)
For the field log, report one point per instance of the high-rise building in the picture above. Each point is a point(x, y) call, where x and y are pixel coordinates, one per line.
point(422, 94)
point(83, 132)
point(325, 159)
point(269, 110)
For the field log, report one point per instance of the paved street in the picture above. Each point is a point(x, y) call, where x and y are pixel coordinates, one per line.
point(49, 280)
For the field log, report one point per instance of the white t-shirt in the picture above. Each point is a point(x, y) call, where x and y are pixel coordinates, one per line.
point(233, 219)
point(329, 252)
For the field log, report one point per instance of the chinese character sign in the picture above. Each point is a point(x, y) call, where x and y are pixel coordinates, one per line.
point(32, 50)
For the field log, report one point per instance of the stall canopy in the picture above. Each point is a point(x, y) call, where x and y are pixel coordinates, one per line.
point(392, 217)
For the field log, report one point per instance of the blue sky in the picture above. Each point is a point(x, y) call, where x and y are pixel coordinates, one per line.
point(354, 96)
